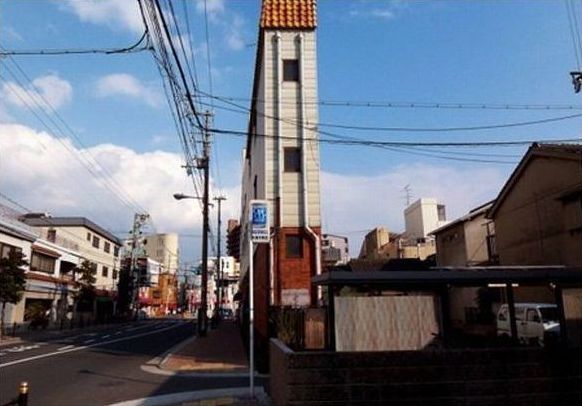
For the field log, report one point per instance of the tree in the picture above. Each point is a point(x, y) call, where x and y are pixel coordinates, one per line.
point(86, 294)
point(12, 281)
point(124, 288)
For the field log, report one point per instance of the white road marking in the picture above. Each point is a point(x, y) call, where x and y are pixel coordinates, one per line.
point(50, 354)
point(88, 341)
point(22, 348)
point(106, 336)
point(66, 347)
point(2, 354)
point(117, 333)
point(135, 328)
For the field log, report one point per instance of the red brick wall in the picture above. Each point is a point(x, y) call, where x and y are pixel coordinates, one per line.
point(295, 273)
point(289, 273)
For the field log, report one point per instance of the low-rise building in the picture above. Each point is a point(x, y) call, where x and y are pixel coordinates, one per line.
point(468, 240)
point(89, 240)
point(381, 245)
point(334, 250)
point(538, 213)
point(49, 290)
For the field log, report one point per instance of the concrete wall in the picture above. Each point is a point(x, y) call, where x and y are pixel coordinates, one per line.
point(451, 377)
point(421, 217)
point(464, 243)
point(382, 323)
point(529, 223)
point(291, 123)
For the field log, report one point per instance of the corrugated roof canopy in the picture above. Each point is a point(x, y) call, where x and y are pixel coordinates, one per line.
point(289, 14)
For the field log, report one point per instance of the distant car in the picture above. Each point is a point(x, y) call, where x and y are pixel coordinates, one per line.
point(537, 323)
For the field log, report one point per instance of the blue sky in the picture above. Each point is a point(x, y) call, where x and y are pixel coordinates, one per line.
point(494, 52)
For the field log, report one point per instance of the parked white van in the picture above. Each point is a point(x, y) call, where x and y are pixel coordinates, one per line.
point(535, 322)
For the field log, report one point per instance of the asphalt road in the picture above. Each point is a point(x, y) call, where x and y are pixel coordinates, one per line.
point(100, 367)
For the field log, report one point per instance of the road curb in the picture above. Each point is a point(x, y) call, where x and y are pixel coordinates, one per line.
point(152, 369)
point(161, 359)
point(176, 398)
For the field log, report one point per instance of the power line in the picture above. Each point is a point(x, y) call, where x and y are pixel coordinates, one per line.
point(340, 139)
point(432, 129)
point(451, 129)
point(108, 179)
point(364, 142)
point(140, 46)
point(414, 104)
point(208, 58)
point(574, 32)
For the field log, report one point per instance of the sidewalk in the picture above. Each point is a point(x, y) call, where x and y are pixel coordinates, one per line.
point(220, 351)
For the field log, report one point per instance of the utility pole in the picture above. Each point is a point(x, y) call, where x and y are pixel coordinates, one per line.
point(219, 200)
point(204, 164)
point(139, 219)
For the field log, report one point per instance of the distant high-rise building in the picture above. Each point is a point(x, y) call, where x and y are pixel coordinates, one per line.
point(163, 248)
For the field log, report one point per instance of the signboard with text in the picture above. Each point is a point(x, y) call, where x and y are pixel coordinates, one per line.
point(259, 221)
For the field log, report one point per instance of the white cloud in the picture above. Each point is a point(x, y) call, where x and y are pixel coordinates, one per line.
point(213, 7)
point(357, 203)
point(388, 10)
point(47, 177)
point(12, 34)
point(64, 187)
point(51, 88)
point(123, 84)
point(113, 13)
point(234, 34)
point(159, 139)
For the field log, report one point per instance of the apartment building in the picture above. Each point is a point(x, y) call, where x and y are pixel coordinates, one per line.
point(91, 241)
point(281, 158)
point(49, 285)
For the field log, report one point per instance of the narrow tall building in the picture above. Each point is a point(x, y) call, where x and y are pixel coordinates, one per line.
point(281, 159)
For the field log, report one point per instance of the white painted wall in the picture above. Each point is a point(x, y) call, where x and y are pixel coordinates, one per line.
point(421, 217)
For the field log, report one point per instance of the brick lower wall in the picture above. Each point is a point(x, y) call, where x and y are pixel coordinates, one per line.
point(519, 376)
point(295, 273)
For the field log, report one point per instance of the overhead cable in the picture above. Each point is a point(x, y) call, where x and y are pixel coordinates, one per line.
point(140, 46)
point(414, 104)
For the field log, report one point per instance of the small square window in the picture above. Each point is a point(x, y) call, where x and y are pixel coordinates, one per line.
point(114, 276)
point(105, 272)
point(292, 160)
point(95, 241)
point(290, 70)
point(106, 247)
point(294, 246)
point(442, 216)
point(88, 236)
point(52, 235)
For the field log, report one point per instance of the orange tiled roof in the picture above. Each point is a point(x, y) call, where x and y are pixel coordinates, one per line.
point(289, 14)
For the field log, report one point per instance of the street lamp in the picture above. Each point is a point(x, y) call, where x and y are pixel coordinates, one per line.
point(202, 316)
